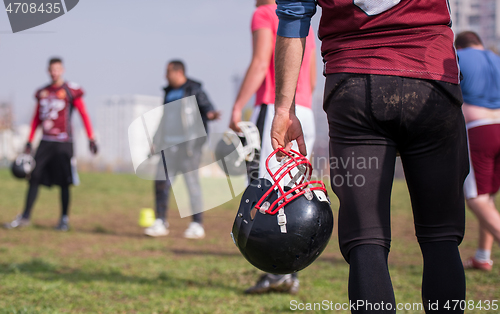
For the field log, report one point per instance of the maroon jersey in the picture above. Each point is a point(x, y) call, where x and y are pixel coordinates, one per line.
point(409, 38)
point(55, 105)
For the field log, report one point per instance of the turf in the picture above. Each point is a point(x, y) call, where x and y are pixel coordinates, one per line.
point(105, 264)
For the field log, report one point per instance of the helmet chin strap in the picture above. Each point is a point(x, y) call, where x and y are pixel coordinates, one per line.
point(282, 219)
point(281, 213)
point(302, 170)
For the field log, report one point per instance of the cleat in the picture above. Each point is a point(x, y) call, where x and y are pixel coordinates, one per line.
point(63, 224)
point(158, 229)
point(294, 289)
point(194, 231)
point(472, 263)
point(275, 283)
point(19, 222)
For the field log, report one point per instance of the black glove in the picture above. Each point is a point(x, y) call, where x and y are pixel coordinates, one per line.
point(93, 147)
point(27, 148)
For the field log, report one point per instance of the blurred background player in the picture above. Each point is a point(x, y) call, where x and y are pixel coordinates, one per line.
point(481, 91)
point(185, 157)
point(259, 80)
point(54, 156)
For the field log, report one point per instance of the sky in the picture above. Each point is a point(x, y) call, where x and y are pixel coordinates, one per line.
point(121, 47)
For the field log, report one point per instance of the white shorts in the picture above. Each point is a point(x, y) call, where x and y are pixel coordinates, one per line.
point(306, 118)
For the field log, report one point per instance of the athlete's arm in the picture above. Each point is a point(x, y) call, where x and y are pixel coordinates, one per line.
point(256, 72)
point(34, 123)
point(80, 106)
point(286, 127)
point(206, 107)
point(312, 66)
point(295, 17)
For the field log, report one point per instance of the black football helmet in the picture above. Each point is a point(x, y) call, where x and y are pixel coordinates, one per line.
point(235, 148)
point(23, 166)
point(282, 226)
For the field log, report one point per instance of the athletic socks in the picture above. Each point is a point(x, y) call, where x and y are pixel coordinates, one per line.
point(483, 256)
point(30, 200)
point(32, 194)
point(65, 200)
point(444, 278)
point(369, 280)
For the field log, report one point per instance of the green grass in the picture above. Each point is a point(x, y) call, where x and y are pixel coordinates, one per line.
point(105, 264)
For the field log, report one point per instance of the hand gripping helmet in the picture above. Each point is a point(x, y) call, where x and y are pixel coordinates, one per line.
point(235, 149)
point(23, 166)
point(280, 228)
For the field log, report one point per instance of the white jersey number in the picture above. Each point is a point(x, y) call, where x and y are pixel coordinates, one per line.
point(374, 7)
point(49, 108)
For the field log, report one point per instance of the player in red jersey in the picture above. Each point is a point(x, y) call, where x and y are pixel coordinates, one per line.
point(54, 156)
point(391, 86)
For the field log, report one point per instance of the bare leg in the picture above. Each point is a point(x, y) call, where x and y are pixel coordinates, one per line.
point(485, 239)
point(487, 214)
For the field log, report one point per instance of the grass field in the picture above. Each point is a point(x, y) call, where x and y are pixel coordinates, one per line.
point(105, 264)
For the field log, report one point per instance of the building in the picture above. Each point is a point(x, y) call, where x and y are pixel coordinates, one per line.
point(7, 146)
point(114, 117)
point(480, 16)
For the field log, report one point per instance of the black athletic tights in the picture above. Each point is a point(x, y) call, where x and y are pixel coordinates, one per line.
point(32, 193)
point(371, 118)
point(370, 285)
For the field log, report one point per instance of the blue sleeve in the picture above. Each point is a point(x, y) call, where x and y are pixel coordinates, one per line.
point(295, 17)
point(481, 82)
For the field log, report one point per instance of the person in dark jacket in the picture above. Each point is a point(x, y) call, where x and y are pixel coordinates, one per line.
point(185, 156)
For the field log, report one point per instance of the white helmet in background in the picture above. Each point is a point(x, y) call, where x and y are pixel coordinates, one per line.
point(236, 148)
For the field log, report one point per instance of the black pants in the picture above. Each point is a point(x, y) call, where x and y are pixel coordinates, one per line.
point(253, 166)
point(371, 118)
point(53, 166)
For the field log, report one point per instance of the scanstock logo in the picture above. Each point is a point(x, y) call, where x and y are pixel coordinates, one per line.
point(28, 14)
